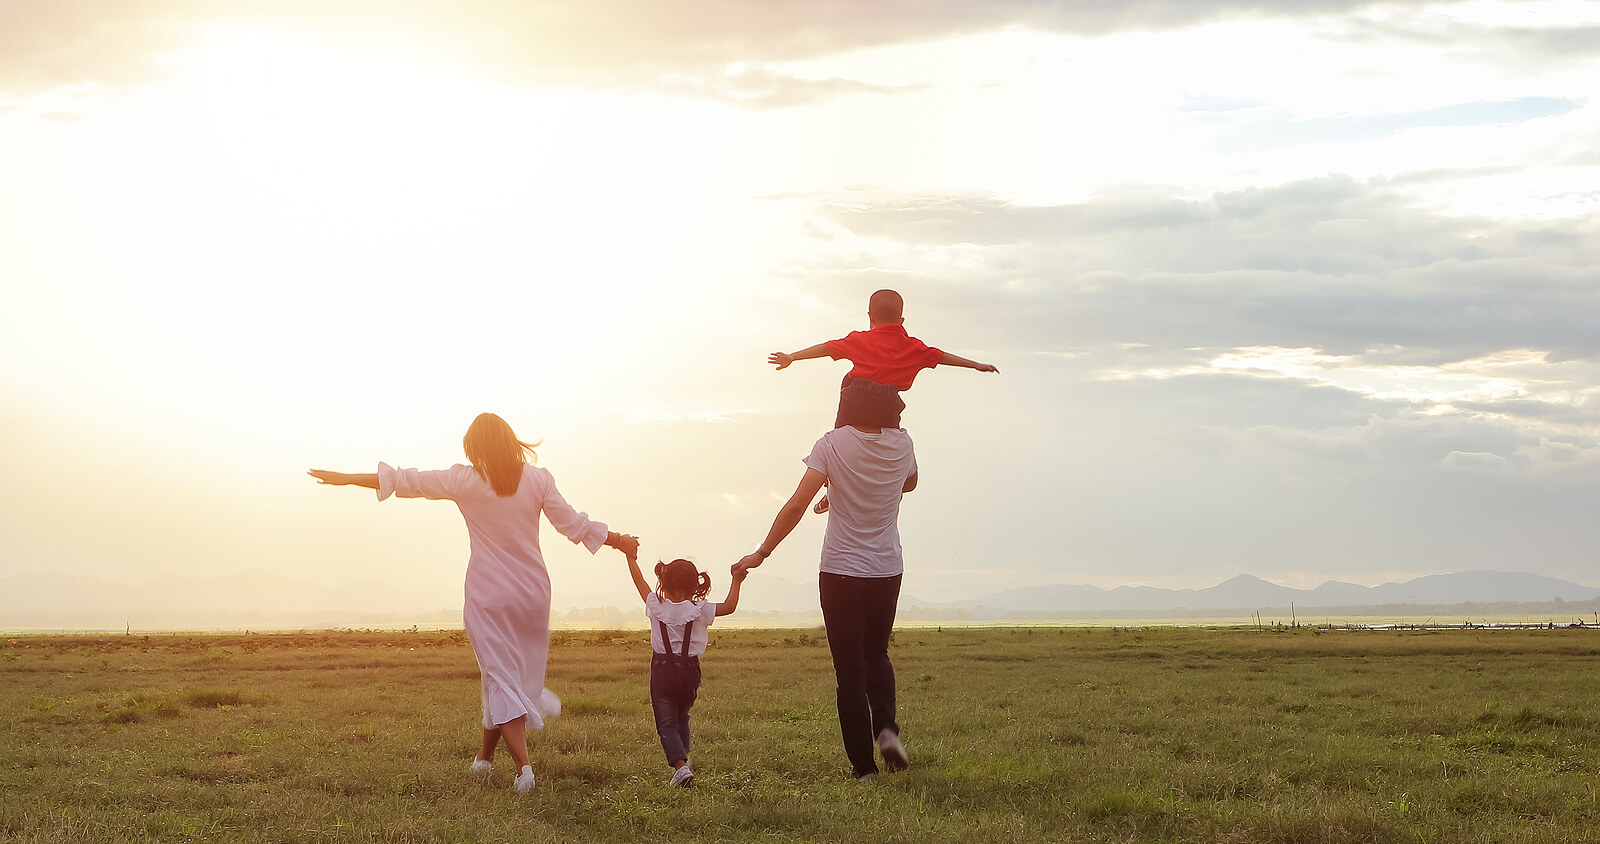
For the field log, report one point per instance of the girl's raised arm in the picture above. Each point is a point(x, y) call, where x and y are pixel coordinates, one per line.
point(727, 606)
point(633, 569)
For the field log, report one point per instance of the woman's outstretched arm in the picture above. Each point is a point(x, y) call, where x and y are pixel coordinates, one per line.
point(323, 476)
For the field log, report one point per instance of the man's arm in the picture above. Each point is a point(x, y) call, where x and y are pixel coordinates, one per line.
point(782, 360)
point(957, 360)
point(789, 515)
point(911, 484)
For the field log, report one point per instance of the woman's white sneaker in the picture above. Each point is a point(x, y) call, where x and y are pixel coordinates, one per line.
point(683, 777)
point(524, 783)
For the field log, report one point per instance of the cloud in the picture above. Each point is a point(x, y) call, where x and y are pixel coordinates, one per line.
point(1323, 373)
point(1278, 129)
point(675, 47)
point(1222, 401)
point(1475, 461)
point(1540, 412)
point(1539, 43)
point(1227, 474)
point(1405, 442)
point(763, 87)
point(1556, 455)
point(1333, 264)
point(80, 42)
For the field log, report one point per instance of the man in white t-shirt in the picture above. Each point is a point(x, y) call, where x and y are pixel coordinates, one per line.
point(866, 471)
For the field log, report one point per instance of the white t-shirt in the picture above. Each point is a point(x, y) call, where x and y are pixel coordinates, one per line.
point(866, 473)
point(676, 614)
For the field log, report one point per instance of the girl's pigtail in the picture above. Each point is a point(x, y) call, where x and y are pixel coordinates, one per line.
point(661, 573)
point(702, 587)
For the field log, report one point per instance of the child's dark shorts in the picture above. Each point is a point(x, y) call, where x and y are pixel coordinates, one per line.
point(868, 404)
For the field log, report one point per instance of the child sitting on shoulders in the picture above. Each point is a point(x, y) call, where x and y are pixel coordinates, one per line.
point(679, 616)
point(886, 360)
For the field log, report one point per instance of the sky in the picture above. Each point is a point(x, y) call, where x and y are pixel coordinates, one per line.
point(1303, 289)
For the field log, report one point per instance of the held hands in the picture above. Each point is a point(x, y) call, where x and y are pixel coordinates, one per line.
point(987, 367)
point(324, 476)
point(780, 359)
point(738, 574)
point(626, 543)
point(748, 562)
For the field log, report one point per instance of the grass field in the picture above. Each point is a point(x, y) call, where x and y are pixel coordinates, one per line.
point(1065, 734)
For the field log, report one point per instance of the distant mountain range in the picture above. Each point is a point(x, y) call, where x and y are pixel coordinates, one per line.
point(260, 600)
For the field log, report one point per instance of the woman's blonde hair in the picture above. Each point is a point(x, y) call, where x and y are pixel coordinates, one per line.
point(496, 453)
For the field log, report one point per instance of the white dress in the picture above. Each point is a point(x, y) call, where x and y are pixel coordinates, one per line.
point(507, 611)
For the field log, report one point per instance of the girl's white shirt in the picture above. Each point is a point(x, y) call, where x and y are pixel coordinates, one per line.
point(676, 614)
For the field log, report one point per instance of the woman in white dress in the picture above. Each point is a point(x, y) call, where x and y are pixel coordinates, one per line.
point(507, 611)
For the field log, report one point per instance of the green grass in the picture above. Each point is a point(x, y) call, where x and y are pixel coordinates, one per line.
point(1064, 734)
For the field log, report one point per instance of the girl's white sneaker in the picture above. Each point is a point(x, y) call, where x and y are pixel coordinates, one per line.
point(524, 783)
point(481, 767)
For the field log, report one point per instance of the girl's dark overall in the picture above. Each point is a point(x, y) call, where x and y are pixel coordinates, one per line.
point(674, 683)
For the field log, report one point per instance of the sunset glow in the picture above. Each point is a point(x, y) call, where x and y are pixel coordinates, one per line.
point(1227, 253)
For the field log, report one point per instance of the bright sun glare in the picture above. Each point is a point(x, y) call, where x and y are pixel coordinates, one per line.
point(368, 187)
point(388, 134)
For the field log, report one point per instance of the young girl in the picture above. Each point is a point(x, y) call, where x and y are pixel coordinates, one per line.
point(679, 615)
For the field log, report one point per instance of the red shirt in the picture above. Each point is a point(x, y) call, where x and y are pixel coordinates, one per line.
point(885, 354)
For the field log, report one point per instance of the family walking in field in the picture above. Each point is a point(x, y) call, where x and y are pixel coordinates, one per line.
point(866, 463)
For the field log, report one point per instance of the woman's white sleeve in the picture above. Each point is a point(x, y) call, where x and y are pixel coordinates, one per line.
point(572, 524)
point(411, 483)
point(385, 481)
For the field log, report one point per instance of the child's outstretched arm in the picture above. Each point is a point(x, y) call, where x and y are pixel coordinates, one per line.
point(632, 553)
point(957, 360)
point(731, 603)
point(782, 360)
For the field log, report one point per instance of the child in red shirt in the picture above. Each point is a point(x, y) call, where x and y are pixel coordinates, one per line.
point(886, 361)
